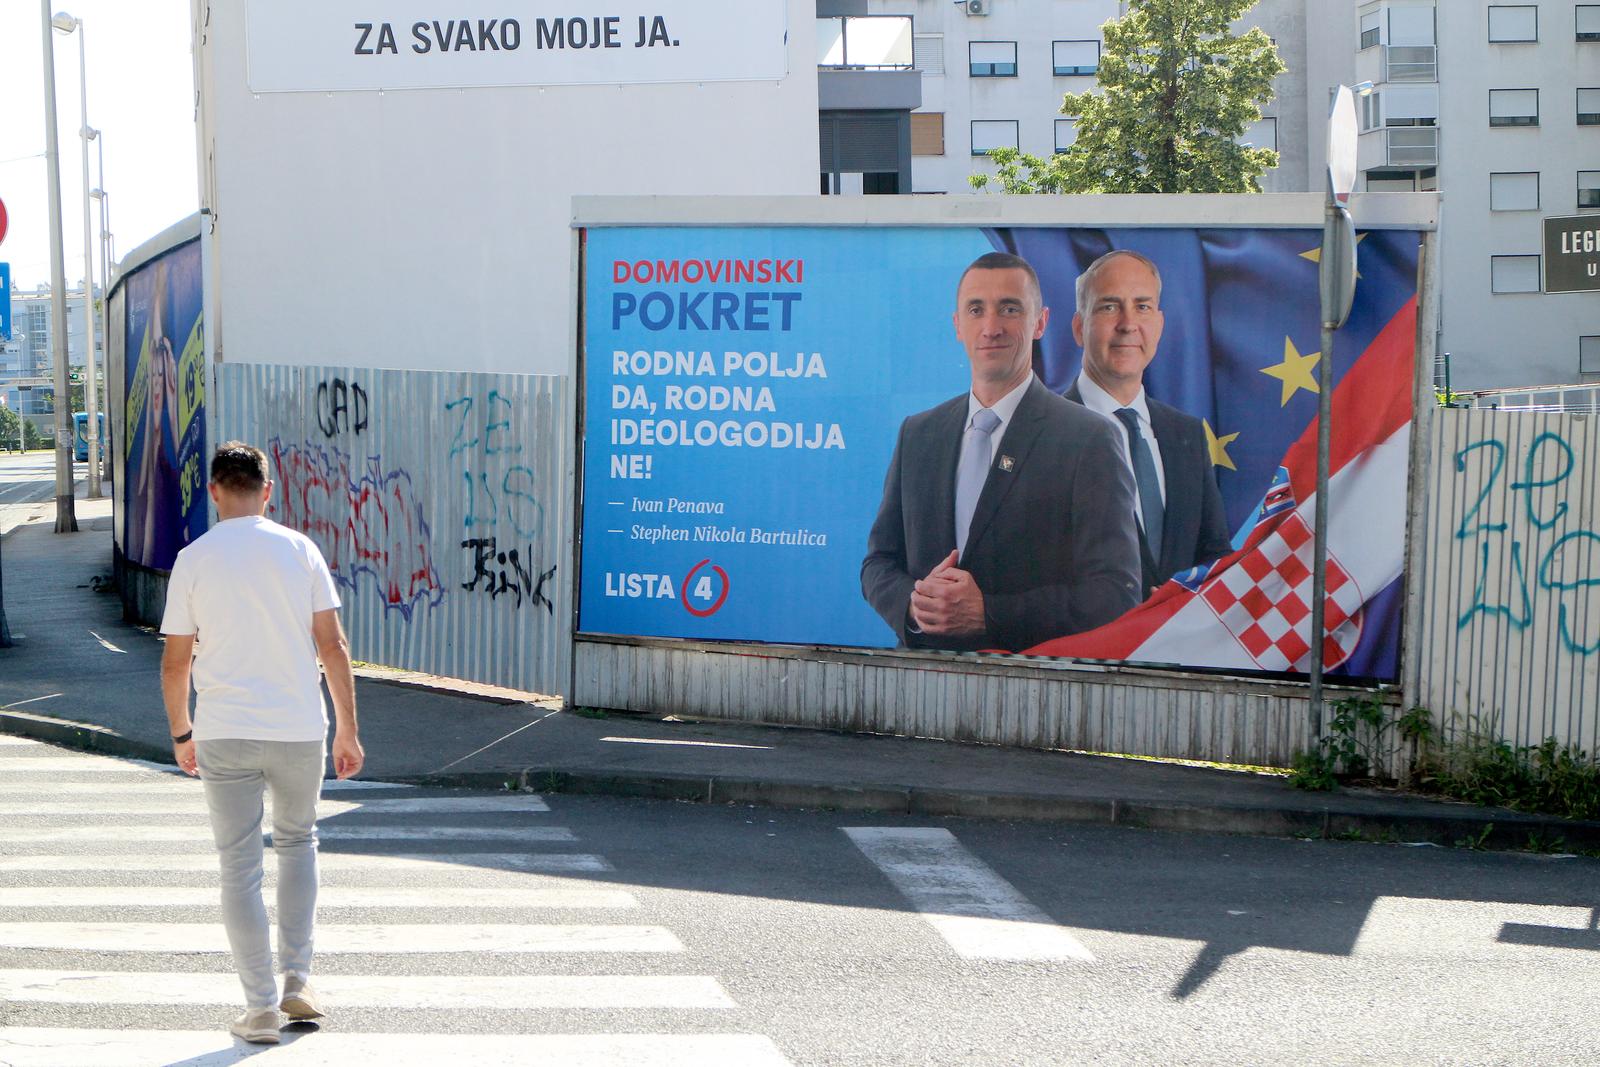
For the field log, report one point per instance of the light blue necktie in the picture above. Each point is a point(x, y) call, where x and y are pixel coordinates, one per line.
point(1144, 474)
point(973, 469)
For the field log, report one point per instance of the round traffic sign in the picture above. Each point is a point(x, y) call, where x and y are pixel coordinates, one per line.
point(2, 221)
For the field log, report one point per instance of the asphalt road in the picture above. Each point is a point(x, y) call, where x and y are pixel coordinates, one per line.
point(28, 479)
point(735, 935)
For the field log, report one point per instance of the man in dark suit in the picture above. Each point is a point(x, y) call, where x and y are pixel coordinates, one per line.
point(1007, 513)
point(1118, 323)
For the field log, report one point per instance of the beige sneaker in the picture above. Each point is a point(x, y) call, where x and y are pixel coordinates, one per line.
point(259, 1027)
point(299, 999)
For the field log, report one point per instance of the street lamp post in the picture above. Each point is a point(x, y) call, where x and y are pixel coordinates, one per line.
point(105, 256)
point(65, 23)
point(66, 517)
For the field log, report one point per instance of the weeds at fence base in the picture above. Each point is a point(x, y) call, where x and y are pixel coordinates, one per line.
point(1473, 763)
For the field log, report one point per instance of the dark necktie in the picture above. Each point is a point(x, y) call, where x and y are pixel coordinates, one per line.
point(1144, 474)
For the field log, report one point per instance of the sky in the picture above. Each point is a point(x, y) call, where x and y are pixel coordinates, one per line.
point(141, 98)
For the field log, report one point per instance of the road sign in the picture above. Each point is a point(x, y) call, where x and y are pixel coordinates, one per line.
point(1572, 254)
point(2, 222)
point(5, 296)
point(1342, 137)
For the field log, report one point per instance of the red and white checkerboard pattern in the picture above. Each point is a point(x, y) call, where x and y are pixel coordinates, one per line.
point(1264, 600)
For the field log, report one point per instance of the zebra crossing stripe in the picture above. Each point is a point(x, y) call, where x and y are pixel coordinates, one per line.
point(12, 739)
point(109, 802)
point(326, 831)
point(92, 764)
point(525, 862)
point(45, 1047)
point(172, 785)
point(344, 938)
point(441, 897)
point(979, 913)
point(434, 992)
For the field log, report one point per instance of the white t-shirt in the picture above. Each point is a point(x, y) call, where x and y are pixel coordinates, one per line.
point(247, 589)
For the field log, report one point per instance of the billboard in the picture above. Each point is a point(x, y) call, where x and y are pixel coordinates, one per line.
point(777, 425)
point(164, 440)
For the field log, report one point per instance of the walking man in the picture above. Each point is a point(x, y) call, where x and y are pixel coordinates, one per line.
point(251, 607)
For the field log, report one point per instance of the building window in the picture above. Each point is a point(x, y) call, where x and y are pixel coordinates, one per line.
point(1262, 133)
point(1411, 27)
point(927, 133)
point(1589, 188)
point(1510, 23)
point(989, 134)
point(1589, 107)
point(1514, 274)
point(1066, 134)
point(1371, 23)
point(927, 52)
point(1514, 191)
point(1589, 359)
point(1587, 19)
point(1513, 107)
point(1372, 111)
point(992, 59)
point(1075, 59)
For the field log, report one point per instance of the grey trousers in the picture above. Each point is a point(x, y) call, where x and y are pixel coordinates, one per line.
point(235, 773)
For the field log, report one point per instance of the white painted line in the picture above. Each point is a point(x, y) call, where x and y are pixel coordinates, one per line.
point(979, 913)
point(169, 785)
point(109, 803)
point(522, 862)
point(347, 938)
point(453, 805)
point(12, 739)
point(43, 1047)
point(694, 744)
point(476, 897)
point(501, 992)
point(96, 764)
point(199, 832)
point(107, 645)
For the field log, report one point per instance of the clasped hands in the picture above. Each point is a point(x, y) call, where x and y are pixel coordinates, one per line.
point(948, 601)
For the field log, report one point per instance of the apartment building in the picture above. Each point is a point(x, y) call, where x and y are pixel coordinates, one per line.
point(25, 360)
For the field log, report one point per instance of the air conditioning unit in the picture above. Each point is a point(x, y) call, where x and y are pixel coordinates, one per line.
point(978, 7)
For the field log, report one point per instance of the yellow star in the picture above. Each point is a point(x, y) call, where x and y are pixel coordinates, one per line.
point(1219, 446)
point(1315, 255)
point(1295, 371)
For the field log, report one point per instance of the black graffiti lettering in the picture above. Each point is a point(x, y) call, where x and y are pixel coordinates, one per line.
point(341, 406)
point(503, 572)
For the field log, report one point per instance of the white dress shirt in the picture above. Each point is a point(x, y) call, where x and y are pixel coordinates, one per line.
point(1098, 400)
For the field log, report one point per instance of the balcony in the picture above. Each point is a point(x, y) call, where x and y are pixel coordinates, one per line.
point(1399, 146)
point(1410, 63)
point(864, 42)
point(864, 63)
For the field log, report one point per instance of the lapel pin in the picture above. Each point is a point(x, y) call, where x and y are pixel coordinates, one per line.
point(1006, 463)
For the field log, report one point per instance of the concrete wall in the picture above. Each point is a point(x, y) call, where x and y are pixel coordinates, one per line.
point(428, 229)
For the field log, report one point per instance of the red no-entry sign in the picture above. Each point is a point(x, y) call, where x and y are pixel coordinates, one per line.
point(2, 221)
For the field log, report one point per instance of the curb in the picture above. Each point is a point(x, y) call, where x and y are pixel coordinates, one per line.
point(1507, 831)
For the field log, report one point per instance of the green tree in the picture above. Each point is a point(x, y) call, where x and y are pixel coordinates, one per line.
point(1176, 88)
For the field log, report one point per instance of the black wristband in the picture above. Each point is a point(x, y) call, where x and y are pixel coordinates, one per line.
point(181, 738)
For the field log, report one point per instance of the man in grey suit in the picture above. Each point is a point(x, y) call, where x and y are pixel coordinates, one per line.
point(1007, 513)
point(1119, 323)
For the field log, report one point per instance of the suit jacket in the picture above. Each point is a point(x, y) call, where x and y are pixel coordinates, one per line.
point(1194, 527)
point(1053, 544)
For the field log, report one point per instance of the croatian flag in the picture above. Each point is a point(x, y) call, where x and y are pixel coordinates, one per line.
point(1239, 350)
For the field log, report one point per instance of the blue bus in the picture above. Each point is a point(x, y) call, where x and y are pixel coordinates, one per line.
point(80, 431)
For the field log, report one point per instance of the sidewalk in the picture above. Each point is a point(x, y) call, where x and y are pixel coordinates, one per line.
point(79, 676)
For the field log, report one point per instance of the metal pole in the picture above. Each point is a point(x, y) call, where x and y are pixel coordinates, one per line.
point(91, 401)
point(66, 517)
point(105, 268)
point(1319, 551)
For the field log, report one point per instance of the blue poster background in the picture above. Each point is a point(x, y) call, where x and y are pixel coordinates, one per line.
point(876, 304)
point(163, 487)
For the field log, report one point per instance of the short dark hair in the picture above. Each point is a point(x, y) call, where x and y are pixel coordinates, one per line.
point(1004, 261)
point(239, 468)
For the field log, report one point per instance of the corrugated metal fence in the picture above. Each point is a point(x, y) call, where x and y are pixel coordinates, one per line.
point(440, 501)
point(1510, 635)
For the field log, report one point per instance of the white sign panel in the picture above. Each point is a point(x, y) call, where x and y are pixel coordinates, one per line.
point(330, 45)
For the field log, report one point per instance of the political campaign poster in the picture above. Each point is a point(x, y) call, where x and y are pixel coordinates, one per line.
point(164, 443)
point(784, 442)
